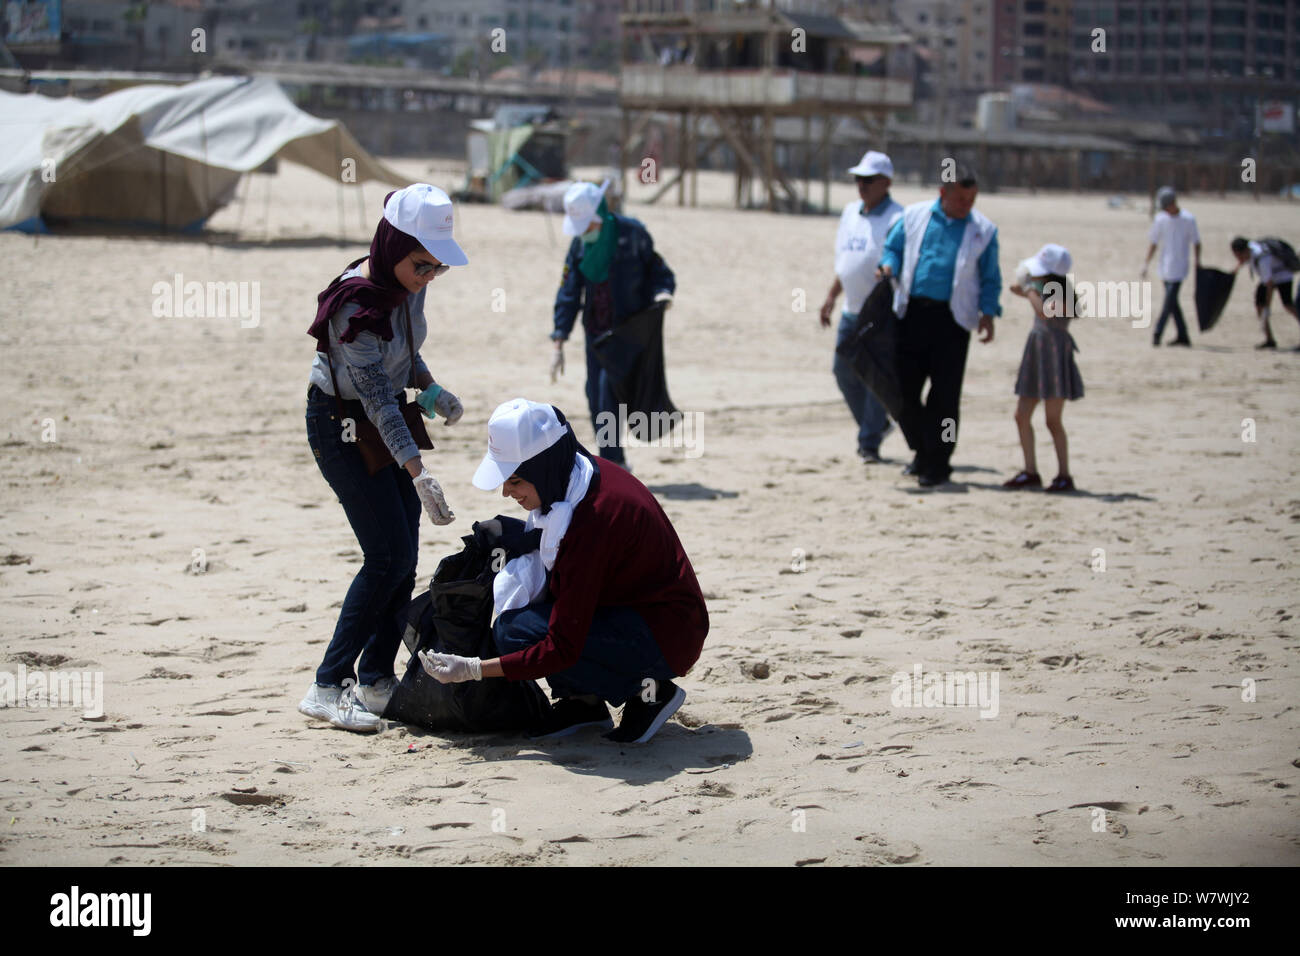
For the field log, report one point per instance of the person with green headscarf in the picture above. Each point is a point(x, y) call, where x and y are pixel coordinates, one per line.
point(611, 272)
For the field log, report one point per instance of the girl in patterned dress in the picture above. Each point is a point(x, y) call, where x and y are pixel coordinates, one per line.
point(1047, 370)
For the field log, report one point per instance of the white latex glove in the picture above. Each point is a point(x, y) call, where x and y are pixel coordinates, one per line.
point(666, 298)
point(449, 407)
point(557, 364)
point(450, 669)
point(431, 496)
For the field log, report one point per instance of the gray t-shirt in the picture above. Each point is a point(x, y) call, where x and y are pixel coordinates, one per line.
point(376, 371)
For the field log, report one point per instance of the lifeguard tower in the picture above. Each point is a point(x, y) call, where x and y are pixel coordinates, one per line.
point(731, 69)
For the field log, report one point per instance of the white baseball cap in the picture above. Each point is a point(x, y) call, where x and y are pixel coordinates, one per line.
point(580, 203)
point(517, 430)
point(1051, 260)
point(424, 211)
point(873, 164)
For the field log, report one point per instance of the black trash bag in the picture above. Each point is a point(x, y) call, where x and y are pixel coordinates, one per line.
point(633, 355)
point(453, 617)
point(872, 348)
point(1213, 287)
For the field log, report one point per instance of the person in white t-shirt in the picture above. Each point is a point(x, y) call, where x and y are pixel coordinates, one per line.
point(864, 223)
point(1173, 230)
point(1272, 273)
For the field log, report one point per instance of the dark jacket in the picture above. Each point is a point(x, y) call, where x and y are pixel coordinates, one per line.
point(636, 276)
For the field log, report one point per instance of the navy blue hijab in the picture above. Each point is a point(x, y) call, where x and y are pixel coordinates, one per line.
point(548, 471)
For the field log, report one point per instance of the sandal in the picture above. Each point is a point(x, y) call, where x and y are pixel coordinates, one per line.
point(1061, 483)
point(1026, 479)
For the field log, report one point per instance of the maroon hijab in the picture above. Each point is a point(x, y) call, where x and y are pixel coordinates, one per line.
point(376, 296)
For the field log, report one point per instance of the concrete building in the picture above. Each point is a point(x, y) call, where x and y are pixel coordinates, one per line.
point(1031, 41)
point(541, 32)
point(1203, 63)
point(954, 38)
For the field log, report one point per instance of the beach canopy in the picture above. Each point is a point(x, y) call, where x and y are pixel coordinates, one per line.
point(158, 156)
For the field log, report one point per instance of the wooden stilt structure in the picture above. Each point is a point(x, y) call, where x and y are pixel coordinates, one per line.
point(745, 67)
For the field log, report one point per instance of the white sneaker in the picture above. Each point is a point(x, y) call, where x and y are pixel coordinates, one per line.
point(339, 705)
point(374, 697)
point(321, 701)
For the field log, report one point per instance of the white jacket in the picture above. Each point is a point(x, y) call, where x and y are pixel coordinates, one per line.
point(965, 299)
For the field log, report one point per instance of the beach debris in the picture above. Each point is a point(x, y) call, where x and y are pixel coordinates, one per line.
point(758, 670)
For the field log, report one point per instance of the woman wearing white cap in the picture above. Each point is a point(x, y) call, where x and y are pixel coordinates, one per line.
point(369, 327)
point(611, 272)
point(607, 606)
point(1047, 370)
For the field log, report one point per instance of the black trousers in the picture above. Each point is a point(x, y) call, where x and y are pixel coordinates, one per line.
point(1171, 308)
point(931, 345)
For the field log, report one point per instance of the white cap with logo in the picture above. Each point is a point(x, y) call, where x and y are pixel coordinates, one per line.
point(581, 201)
point(425, 212)
point(873, 164)
point(517, 430)
point(1051, 260)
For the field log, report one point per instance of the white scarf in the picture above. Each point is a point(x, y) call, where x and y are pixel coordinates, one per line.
point(523, 579)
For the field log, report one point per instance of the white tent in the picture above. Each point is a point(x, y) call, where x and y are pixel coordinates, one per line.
point(163, 156)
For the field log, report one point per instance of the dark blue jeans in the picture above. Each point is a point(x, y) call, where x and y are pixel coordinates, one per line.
point(619, 654)
point(1171, 308)
point(600, 398)
point(866, 408)
point(384, 511)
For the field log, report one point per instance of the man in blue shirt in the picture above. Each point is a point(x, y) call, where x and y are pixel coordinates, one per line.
point(945, 255)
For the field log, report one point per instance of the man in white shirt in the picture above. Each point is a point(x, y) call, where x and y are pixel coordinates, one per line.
point(864, 224)
point(1173, 230)
point(1272, 273)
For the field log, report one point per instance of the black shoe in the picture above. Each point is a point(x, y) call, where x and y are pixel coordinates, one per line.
point(910, 467)
point(569, 715)
point(931, 481)
point(1267, 344)
point(871, 457)
point(1155, 343)
point(641, 721)
point(1186, 342)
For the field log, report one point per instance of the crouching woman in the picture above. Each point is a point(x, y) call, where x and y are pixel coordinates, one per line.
point(606, 607)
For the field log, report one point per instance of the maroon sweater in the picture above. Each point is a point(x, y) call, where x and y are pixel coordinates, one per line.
point(620, 550)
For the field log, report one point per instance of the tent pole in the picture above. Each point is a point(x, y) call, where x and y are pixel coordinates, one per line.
point(162, 188)
point(207, 193)
point(243, 203)
point(266, 212)
point(338, 166)
point(361, 207)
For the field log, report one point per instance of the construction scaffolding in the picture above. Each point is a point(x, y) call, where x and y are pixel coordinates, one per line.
point(738, 67)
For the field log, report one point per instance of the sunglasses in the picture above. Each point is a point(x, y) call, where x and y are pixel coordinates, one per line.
point(422, 269)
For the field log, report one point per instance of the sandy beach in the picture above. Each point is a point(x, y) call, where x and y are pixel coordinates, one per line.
point(176, 536)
